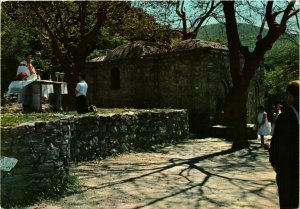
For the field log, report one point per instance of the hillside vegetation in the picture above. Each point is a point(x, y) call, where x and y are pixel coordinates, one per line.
point(281, 62)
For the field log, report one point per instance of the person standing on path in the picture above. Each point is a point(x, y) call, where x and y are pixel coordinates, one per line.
point(284, 150)
point(264, 127)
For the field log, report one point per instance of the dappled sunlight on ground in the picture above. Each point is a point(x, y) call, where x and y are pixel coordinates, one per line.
point(201, 173)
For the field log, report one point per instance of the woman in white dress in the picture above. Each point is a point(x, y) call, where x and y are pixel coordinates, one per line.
point(263, 125)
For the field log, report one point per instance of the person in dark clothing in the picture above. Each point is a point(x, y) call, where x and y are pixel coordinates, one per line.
point(284, 150)
point(80, 91)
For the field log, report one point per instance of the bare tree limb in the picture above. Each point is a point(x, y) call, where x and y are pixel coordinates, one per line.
point(234, 42)
point(206, 15)
point(275, 14)
point(269, 17)
point(286, 14)
point(296, 17)
point(182, 8)
point(262, 27)
point(294, 13)
point(178, 10)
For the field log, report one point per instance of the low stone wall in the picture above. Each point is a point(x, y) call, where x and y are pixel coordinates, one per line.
point(45, 149)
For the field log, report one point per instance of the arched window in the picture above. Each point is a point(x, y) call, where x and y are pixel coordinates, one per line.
point(115, 78)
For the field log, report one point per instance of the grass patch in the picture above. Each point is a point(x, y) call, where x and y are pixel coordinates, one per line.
point(70, 185)
point(13, 117)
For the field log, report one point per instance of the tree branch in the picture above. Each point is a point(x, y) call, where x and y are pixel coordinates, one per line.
point(296, 17)
point(269, 17)
point(182, 8)
point(275, 14)
point(294, 13)
point(178, 10)
point(101, 18)
point(261, 28)
point(206, 15)
point(286, 13)
point(61, 22)
point(234, 42)
point(54, 43)
point(173, 30)
point(82, 14)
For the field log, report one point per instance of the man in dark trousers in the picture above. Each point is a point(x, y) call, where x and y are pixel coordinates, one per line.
point(80, 91)
point(284, 150)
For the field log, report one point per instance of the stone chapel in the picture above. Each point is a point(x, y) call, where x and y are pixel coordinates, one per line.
point(193, 75)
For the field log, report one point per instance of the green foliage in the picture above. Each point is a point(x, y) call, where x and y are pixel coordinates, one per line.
point(276, 81)
point(248, 34)
point(217, 33)
point(282, 66)
point(70, 184)
point(284, 53)
point(281, 62)
point(12, 117)
point(95, 53)
point(67, 26)
point(60, 187)
point(18, 36)
point(140, 26)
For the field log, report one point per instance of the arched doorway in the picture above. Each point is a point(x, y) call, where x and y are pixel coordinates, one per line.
point(115, 78)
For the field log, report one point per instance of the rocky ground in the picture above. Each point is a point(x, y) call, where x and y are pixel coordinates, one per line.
point(200, 173)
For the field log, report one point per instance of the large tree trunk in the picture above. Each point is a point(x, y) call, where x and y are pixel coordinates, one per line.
point(235, 104)
point(71, 79)
point(72, 69)
point(235, 116)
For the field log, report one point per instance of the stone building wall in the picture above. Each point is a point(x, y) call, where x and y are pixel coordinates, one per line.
point(196, 79)
point(45, 149)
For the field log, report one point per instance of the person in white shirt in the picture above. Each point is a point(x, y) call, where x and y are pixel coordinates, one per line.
point(25, 68)
point(80, 91)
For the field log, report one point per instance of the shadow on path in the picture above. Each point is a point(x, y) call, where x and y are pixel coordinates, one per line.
point(204, 175)
point(172, 177)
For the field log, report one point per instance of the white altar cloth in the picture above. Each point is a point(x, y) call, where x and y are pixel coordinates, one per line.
point(16, 87)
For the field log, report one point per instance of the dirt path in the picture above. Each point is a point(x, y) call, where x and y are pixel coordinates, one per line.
point(196, 174)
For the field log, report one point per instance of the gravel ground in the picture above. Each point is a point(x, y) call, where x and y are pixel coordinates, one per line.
point(199, 173)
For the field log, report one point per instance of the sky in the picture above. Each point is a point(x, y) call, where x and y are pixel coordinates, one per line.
point(254, 17)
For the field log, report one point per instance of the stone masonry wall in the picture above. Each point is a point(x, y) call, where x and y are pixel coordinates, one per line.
point(45, 149)
point(197, 80)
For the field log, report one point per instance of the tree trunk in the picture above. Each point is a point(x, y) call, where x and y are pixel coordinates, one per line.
point(235, 103)
point(71, 79)
point(236, 116)
point(72, 76)
point(235, 106)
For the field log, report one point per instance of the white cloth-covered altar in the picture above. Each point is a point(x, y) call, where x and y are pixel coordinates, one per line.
point(31, 91)
point(15, 87)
